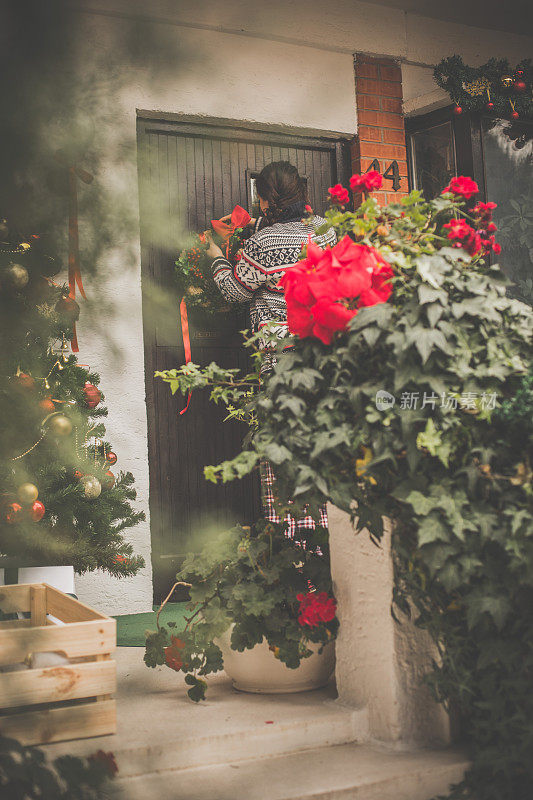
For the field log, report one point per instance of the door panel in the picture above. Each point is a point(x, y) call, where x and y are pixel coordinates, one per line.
point(190, 173)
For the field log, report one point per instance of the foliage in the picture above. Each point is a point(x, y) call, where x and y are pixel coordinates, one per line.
point(472, 88)
point(25, 774)
point(38, 385)
point(250, 578)
point(420, 411)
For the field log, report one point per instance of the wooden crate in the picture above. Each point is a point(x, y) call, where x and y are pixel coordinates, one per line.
point(67, 701)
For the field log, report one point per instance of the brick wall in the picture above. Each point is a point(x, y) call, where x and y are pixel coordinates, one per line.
point(380, 122)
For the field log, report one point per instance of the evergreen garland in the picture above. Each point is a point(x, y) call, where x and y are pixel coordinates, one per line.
point(495, 87)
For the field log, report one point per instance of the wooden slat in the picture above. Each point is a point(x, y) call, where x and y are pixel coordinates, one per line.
point(76, 639)
point(15, 598)
point(60, 724)
point(53, 684)
point(14, 623)
point(38, 605)
point(67, 609)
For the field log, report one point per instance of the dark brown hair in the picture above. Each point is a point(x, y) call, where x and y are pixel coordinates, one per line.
point(280, 184)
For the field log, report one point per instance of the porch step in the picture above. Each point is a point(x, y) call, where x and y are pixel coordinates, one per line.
point(342, 772)
point(159, 728)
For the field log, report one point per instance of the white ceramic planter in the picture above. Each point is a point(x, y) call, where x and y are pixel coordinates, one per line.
point(259, 671)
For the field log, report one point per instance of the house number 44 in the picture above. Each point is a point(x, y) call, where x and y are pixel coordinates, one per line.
point(392, 173)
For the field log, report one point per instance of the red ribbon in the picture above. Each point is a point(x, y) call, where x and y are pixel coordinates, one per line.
point(186, 343)
point(239, 218)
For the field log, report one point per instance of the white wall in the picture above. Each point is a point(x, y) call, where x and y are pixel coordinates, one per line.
point(277, 62)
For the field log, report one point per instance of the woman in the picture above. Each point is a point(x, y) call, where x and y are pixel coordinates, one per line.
point(275, 245)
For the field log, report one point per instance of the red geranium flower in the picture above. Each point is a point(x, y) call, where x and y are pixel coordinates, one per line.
point(463, 186)
point(339, 194)
point(463, 235)
point(484, 210)
point(324, 290)
point(368, 182)
point(309, 209)
point(329, 317)
point(316, 608)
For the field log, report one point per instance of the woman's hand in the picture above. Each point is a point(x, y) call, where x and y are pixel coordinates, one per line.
point(213, 251)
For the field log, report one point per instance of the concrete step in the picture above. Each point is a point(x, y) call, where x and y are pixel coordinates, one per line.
point(159, 728)
point(342, 772)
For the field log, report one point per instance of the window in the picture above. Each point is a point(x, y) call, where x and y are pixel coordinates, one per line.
point(508, 162)
point(433, 158)
point(498, 155)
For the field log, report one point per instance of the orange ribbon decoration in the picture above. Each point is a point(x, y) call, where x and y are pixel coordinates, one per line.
point(74, 269)
point(186, 343)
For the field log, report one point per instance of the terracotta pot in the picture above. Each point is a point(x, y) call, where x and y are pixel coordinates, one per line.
point(259, 671)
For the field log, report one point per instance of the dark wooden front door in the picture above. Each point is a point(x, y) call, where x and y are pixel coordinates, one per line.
point(190, 173)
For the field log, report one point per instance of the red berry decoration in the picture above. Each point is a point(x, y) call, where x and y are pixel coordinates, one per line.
point(111, 457)
point(457, 110)
point(92, 395)
point(13, 512)
point(36, 511)
point(519, 87)
point(25, 382)
point(78, 474)
point(47, 405)
point(109, 480)
point(68, 308)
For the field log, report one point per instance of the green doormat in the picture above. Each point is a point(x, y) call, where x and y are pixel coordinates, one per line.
point(131, 627)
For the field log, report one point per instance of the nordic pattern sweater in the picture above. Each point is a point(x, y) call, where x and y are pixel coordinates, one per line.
point(265, 257)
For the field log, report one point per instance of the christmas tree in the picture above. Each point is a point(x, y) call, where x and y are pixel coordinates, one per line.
point(60, 503)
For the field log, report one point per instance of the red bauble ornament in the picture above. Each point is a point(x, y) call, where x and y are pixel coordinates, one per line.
point(12, 512)
point(68, 308)
point(47, 405)
point(92, 395)
point(457, 110)
point(519, 87)
point(111, 457)
point(109, 480)
point(36, 511)
point(515, 115)
point(489, 106)
point(23, 381)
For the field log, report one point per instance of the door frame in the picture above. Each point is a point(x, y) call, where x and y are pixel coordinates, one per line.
point(337, 143)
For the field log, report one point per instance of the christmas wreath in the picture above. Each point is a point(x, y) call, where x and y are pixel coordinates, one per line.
point(493, 87)
point(193, 268)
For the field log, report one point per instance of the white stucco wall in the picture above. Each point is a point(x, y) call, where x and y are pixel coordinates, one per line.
point(275, 62)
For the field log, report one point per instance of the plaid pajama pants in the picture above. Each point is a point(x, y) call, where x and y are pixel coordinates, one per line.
point(267, 500)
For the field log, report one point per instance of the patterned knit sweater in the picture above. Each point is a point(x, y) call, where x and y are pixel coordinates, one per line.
point(265, 256)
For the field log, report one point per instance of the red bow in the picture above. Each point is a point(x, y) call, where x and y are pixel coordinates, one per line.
point(239, 218)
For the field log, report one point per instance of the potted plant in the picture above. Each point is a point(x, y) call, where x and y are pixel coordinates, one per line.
point(261, 608)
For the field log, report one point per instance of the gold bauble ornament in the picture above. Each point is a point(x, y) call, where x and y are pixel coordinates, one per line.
point(27, 493)
point(507, 81)
point(60, 425)
point(91, 487)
